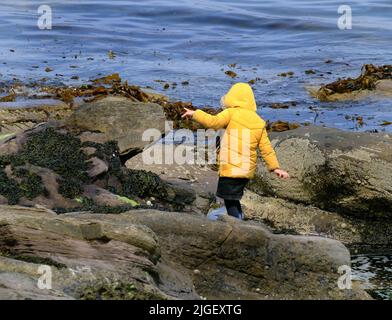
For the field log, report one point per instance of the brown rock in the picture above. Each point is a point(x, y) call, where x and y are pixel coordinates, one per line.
point(98, 167)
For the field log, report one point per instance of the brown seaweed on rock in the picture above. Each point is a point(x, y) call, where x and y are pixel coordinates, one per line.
point(280, 126)
point(368, 79)
point(172, 109)
point(100, 89)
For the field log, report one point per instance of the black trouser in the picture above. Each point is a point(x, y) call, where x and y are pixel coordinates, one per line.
point(233, 208)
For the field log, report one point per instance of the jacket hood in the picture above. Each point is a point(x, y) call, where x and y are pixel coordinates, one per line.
point(240, 95)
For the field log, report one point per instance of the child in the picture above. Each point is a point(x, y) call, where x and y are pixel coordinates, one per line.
point(245, 132)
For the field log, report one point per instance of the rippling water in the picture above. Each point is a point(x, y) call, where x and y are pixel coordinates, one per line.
point(195, 41)
point(375, 274)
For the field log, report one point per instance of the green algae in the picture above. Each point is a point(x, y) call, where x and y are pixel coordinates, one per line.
point(49, 149)
point(5, 136)
point(9, 188)
point(31, 185)
point(58, 152)
point(127, 201)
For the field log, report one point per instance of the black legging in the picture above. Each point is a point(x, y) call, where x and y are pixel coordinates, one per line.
point(233, 208)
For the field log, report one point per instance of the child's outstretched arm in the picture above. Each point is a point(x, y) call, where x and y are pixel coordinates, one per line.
point(221, 120)
point(269, 156)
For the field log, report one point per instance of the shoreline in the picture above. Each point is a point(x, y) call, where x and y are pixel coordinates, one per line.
point(185, 192)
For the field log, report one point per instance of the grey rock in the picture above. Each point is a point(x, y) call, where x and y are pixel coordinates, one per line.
point(235, 257)
point(98, 167)
point(345, 172)
point(120, 119)
point(359, 235)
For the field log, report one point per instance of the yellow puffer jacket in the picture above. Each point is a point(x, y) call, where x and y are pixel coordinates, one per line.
point(245, 132)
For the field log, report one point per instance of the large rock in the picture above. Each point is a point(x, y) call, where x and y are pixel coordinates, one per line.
point(60, 169)
point(338, 171)
point(120, 119)
point(195, 182)
point(144, 254)
point(359, 235)
point(229, 259)
point(89, 259)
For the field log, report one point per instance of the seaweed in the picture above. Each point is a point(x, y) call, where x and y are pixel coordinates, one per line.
point(31, 185)
point(70, 187)
point(116, 290)
point(48, 149)
point(174, 110)
point(108, 152)
point(141, 183)
point(280, 126)
point(58, 152)
point(370, 75)
point(9, 188)
point(231, 73)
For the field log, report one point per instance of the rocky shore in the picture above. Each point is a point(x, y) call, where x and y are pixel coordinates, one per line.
point(75, 195)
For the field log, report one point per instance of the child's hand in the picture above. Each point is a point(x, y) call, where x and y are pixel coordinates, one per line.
point(281, 173)
point(188, 113)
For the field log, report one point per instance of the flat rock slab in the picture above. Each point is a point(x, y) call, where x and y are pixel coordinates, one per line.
point(88, 259)
point(143, 254)
point(231, 259)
